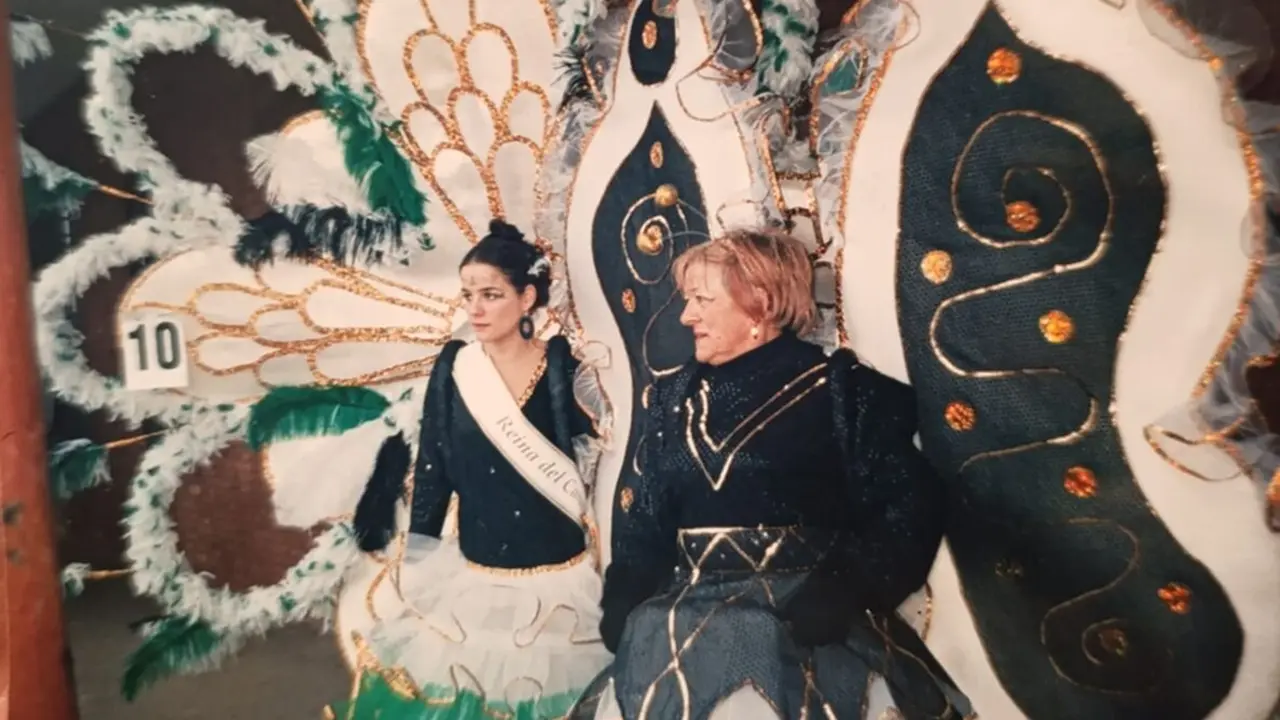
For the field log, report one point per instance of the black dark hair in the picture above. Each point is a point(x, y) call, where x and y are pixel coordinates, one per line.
point(506, 249)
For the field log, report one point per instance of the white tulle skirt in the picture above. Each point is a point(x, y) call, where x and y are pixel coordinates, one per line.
point(513, 637)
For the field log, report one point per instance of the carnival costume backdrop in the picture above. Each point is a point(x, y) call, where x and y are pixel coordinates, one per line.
point(1049, 218)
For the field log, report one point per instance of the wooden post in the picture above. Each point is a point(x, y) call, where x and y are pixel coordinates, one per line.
point(34, 677)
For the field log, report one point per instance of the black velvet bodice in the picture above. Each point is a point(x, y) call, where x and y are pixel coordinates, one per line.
point(781, 436)
point(503, 521)
point(741, 448)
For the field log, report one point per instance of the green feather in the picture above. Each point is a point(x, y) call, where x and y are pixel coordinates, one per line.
point(372, 158)
point(297, 412)
point(63, 198)
point(843, 78)
point(378, 700)
point(77, 465)
point(173, 644)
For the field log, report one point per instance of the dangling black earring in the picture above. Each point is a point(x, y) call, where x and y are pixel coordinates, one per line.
point(526, 327)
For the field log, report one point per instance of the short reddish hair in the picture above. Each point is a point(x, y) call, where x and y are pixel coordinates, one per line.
point(767, 260)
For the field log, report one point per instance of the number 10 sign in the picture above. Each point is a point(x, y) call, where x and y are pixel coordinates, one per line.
point(154, 351)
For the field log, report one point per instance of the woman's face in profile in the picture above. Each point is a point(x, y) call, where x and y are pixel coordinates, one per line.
point(721, 329)
point(493, 306)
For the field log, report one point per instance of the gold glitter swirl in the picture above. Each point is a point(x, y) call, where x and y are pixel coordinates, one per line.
point(650, 238)
point(936, 266)
point(499, 109)
point(859, 124)
point(1229, 98)
point(864, 110)
point(436, 312)
point(1090, 422)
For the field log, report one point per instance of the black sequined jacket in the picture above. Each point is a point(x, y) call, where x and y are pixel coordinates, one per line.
point(503, 521)
point(782, 436)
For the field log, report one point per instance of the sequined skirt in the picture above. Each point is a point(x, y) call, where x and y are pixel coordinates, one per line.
point(717, 634)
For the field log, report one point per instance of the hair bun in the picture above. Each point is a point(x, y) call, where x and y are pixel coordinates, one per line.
point(505, 231)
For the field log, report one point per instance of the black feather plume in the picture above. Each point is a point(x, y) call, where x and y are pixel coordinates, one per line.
point(375, 516)
point(308, 232)
point(571, 64)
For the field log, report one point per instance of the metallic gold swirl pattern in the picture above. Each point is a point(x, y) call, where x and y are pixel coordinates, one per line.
point(1104, 239)
point(463, 137)
point(307, 338)
point(1078, 173)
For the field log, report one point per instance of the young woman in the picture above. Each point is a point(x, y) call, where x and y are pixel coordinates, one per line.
point(501, 621)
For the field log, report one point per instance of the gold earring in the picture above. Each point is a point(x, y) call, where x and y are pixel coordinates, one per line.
point(755, 332)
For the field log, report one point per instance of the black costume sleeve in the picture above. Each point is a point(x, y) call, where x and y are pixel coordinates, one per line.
point(644, 535)
point(895, 511)
point(375, 514)
point(431, 485)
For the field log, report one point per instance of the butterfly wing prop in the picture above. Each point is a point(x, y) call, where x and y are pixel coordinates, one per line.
point(1058, 227)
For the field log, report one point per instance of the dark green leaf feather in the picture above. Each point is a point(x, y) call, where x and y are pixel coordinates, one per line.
point(298, 412)
point(174, 644)
point(372, 158)
point(77, 465)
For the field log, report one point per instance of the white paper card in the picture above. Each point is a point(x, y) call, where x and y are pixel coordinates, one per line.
point(153, 352)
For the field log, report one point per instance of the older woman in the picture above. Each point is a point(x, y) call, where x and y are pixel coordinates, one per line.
point(782, 515)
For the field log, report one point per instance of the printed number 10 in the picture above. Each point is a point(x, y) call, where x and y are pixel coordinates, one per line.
point(168, 353)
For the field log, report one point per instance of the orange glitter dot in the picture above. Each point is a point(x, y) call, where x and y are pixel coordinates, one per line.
point(1057, 327)
point(1081, 482)
point(1004, 66)
point(656, 154)
point(628, 300)
point(960, 416)
point(936, 266)
point(1177, 597)
point(649, 35)
point(1022, 216)
point(625, 498)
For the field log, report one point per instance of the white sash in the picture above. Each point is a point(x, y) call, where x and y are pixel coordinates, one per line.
point(538, 461)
